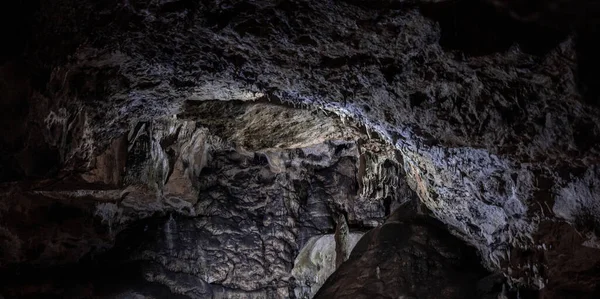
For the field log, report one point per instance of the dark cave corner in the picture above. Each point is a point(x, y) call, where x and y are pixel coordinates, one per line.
point(588, 61)
point(100, 273)
point(477, 28)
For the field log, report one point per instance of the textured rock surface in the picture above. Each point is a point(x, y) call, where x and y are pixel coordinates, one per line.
point(318, 260)
point(496, 121)
point(406, 259)
point(206, 219)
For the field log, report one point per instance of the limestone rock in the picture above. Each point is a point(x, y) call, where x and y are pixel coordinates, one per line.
point(317, 261)
point(490, 114)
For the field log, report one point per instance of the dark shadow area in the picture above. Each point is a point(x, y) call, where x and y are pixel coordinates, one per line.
point(16, 18)
point(476, 28)
point(588, 62)
point(97, 275)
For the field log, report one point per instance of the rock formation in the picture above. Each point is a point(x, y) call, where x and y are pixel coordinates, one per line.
point(222, 149)
point(388, 262)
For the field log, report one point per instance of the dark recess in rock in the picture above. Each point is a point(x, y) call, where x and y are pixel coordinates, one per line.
point(476, 28)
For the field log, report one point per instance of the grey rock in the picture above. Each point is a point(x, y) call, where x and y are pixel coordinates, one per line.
point(317, 261)
point(496, 128)
point(409, 259)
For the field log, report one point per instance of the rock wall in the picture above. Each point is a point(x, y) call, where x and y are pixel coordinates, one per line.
point(193, 215)
point(495, 118)
point(317, 261)
point(408, 257)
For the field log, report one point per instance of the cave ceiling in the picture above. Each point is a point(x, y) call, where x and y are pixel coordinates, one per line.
point(242, 148)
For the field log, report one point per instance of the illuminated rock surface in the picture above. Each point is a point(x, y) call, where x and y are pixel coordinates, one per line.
point(193, 148)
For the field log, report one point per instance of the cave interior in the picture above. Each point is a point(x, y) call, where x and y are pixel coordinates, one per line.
point(300, 149)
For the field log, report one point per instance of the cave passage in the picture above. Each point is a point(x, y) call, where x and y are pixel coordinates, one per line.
point(299, 149)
